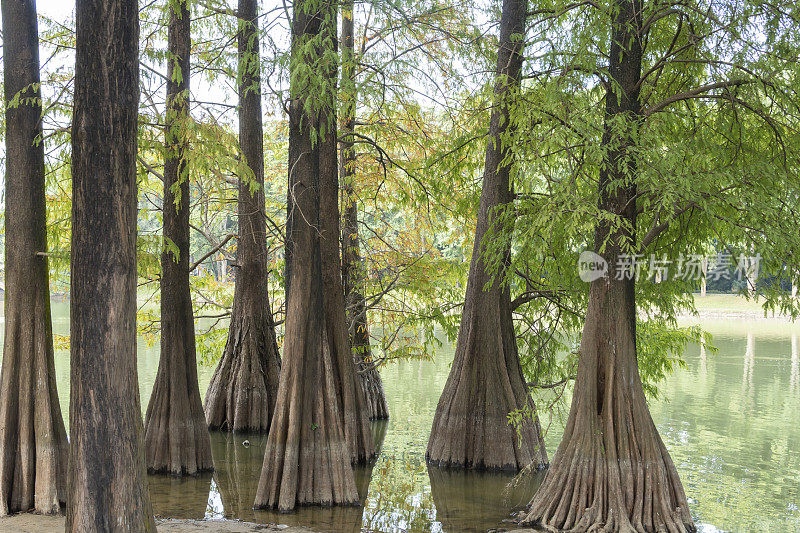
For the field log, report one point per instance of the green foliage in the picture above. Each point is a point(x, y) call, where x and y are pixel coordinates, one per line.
point(715, 153)
point(716, 161)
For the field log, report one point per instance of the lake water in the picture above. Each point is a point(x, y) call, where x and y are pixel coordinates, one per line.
point(731, 423)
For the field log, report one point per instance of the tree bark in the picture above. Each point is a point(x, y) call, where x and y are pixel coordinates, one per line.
point(176, 436)
point(705, 275)
point(320, 425)
point(612, 471)
point(33, 441)
point(353, 270)
point(107, 485)
point(470, 427)
point(242, 391)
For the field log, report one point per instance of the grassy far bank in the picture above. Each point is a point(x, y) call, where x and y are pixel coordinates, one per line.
point(730, 304)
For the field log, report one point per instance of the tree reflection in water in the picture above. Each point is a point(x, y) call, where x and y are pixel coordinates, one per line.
point(185, 497)
point(236, 480)
point(469, 501)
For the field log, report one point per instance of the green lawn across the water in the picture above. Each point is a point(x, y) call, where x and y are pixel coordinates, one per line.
point(727, 302)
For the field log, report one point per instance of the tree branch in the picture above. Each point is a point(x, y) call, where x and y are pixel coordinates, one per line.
point(212, 252)
point(694, 93)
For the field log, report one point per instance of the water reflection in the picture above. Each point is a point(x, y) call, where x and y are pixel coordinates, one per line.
point(186, 497)
point(730, 421)
point(732, 428)
point(794, 379)
point(477, 501)
point(749, 362)
point(237, 461)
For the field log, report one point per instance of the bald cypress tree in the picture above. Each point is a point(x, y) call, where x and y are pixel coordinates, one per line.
point(107, 482)
point(612, 471)
point(241, 395)
point(176, 434)
point(353, 271)
point(470, 427)
point(320, 424)
point(33, 441)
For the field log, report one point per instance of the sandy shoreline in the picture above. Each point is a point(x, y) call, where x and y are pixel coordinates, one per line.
point(32, 523)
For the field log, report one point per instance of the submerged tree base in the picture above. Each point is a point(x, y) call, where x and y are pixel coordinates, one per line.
point(241, 394)
point(612, 471)
point(307, 459)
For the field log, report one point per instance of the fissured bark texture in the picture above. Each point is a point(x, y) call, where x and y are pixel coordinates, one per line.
point(107, 487)
point(470, 427)
point(176, 435)
point(33, 441)
point(320, 425)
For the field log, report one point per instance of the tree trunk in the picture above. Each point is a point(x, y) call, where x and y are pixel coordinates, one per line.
point(703, 286)
point(470, 428)
point(242, 391)
point(33, 441)
point(353, 271)
point(612, 471)
point(320, 425)
point(107, 487)
point(176, 436)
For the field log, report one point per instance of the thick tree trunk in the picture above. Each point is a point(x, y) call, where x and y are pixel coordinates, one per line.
point(176, 436)
point(33, 441)
point(612, 471)
point(470, 428)
point(353, 271)
point(242, 391)
point(320, 425)
point(107, 488)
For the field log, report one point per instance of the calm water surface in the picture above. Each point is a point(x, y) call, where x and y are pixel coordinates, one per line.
point(731, 423)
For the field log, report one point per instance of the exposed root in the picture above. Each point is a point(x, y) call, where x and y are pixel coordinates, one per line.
point(612, 471)
point(33, 440)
